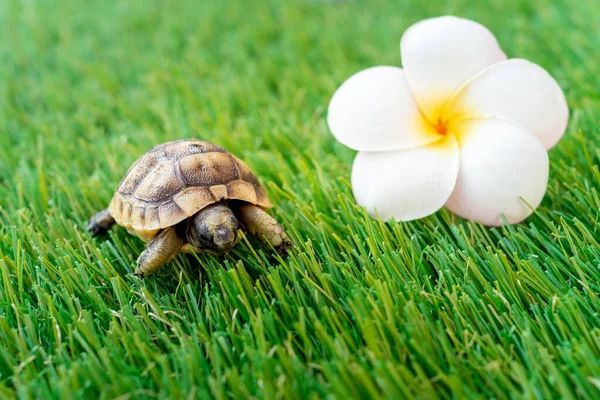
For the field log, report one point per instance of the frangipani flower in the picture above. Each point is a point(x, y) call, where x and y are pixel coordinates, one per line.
point(459, 126)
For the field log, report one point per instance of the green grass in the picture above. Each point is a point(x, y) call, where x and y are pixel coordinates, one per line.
point(436, 308)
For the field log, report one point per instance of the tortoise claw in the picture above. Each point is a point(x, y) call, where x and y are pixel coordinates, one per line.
point(285, 247)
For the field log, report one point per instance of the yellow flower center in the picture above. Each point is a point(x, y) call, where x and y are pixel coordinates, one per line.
point(442, 117)
point(438, 129)
point(441, 127)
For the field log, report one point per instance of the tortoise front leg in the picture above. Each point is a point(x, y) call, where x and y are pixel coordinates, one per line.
point(265, 227)
point(100, 223)
point(162, 249)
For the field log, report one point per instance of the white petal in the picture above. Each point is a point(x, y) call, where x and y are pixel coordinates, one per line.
point(406, 184)
point(374, 110)
point(440, 54)
point(500, 163)
point(519, 91)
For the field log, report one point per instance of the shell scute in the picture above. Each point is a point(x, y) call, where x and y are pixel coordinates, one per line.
point(240, 189)
point(193, 199)
point(208, 169)
point(170, 211)
point(137, 173)
point(159, 183)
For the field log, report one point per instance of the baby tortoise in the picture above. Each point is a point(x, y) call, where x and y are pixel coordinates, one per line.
point(189, 196)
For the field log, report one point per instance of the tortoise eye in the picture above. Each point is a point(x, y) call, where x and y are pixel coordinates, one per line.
point(203, 239)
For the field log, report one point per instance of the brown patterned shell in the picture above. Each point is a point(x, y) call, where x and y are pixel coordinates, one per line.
point(175, 180)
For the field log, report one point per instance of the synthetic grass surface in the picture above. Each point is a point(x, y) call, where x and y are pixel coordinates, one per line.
point(435, 308)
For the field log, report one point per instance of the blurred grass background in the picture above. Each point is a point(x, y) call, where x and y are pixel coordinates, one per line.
point(437, 308)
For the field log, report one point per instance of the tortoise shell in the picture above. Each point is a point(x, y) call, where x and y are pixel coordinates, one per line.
point(175, 180)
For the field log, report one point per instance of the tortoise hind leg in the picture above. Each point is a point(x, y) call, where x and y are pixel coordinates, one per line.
point(100, 223)
point(265, 227)
point(162, 249)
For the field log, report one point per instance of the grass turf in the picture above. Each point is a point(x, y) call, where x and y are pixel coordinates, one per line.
point(434, 308)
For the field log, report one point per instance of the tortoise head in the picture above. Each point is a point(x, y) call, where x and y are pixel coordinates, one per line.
point(213, 229)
